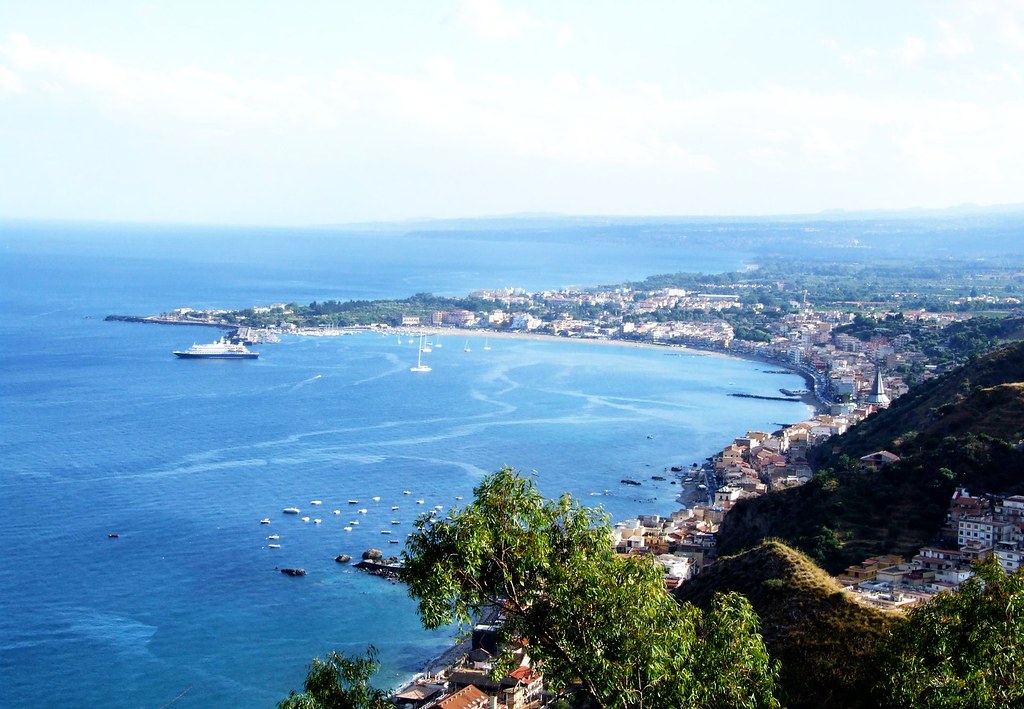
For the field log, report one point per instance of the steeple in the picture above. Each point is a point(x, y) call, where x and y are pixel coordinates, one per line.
point(878, 397)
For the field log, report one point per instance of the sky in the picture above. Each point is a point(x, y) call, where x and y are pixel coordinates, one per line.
point(336, 111)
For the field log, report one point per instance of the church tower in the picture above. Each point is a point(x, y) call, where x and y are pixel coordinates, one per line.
point(878, 397)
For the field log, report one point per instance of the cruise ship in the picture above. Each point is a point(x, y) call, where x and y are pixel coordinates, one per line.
point(221, 349)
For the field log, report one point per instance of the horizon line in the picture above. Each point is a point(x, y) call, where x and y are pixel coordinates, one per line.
point(831, 214)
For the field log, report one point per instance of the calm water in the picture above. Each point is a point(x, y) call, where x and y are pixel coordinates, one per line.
point(103, 430)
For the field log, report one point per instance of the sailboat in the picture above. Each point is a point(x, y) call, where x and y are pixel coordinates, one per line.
point(420, 367)
point(486, 346)
point(466, 348)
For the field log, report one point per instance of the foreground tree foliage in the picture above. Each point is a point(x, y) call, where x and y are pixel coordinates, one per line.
point(339, 682)
point(593, 620)
point(961, 649)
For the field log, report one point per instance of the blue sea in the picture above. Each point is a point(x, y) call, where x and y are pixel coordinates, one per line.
point(104, 431)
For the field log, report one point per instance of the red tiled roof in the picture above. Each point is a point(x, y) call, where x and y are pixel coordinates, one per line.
point(524, 674)
point(466, 698)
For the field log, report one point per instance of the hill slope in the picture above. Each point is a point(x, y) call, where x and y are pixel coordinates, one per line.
point(961, 429)
point(957, 403)
point(824, 639)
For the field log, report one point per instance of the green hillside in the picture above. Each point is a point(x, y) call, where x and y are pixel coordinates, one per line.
point(823, 638)
point(955, 404)
point(963, 428)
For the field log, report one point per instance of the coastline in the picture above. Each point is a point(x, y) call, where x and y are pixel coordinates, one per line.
point(446, 657)
point(811, 398)
point(436, 666)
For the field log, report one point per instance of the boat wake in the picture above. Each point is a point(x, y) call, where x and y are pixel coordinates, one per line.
point(306, 382)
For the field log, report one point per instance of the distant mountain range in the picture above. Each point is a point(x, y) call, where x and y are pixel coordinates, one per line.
point(965, 232)
point(543, 220)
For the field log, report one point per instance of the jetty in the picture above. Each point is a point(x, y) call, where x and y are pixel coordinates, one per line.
point(765, 398)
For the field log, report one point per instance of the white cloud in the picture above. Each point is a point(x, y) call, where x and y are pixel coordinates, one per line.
point(913, 49)
point(954, 43)
point(186, 93)
point(563, 36)
point(490, 20)
point(580, 127)
point(1012, 34)
point(9, 81)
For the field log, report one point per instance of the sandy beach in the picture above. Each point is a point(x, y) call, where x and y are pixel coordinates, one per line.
point(810, 399)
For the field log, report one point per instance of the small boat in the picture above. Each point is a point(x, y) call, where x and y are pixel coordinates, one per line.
point(316, 502)
point(273, 546)
point(420, 367)
point(337, 512)
point(419, 502)
point(113, 535)
point(291, 510)
point(346, 529)
point(394, 541)
point(385, 531)
point(406, 492)
point(375, 498)
point(305, 519)
point(438, 507)
point(274, 536)
point(317, 521)
point(353, 502)
point(394, 507)
point(458, 497)
point(265, 520)
point(395, 521)
point(354, 522)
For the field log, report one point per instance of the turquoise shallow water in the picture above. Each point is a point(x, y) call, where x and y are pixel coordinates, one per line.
point(104, 431)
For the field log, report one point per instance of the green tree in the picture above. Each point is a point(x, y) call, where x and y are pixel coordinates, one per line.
point(339, 682)
point(594, 620)
point(961, 649)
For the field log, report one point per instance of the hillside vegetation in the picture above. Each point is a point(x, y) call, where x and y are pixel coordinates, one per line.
point(824, 639)
point(963, 428)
